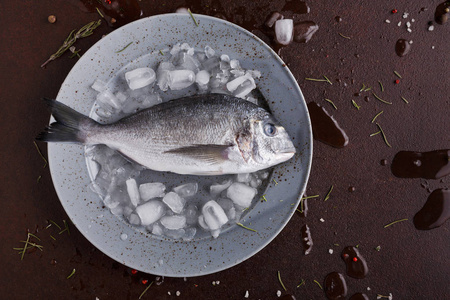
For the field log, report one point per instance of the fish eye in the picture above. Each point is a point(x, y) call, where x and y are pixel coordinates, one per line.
point(270, 129)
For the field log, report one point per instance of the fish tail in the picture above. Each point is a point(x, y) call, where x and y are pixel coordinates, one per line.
point(70, 125)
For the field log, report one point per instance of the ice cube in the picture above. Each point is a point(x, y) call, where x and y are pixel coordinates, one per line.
point(201, 222)
point(189, 234)
point(131, 106)
point(225, 58)
point(235, 83)
point(117, 211)
point(134, 219)
point(190, 63)
point(243, 177)
point(216, 189)
point(255, 183)
point(284, 31)
point(108, 101)
point(231, 214)
point(121, 97)
point(186, 190)
point(209, 52)
point(234, 64)
point(191, 215)
point(215, 233)
point(180, 79)
point(140, 77)
point(151, 190)
point(133, 191)
point(174, 202)
point(163, 74)
point(202, 77)
point(150, 211)
point(245, 88)
point(214, 215)
point(102, 113)
point(182, 10)
point(128, 170)
point(175, 234)
point(99, 85)
point(150, 100)
point(211, 63)
point(175, 50)
point(241, 194)
point(173, 222)
point(157, 229)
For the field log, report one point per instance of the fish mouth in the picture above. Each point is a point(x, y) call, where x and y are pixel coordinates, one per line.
point(286, 153)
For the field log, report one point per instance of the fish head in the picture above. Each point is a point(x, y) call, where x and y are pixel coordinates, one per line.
point(271, 143)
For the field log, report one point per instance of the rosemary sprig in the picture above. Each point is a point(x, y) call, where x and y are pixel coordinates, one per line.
point(320, 80)
point(146, 290)
point(328, 194)
point(83, 32)
point(160, 51)
point(276, 183)
point(384, 135)
point(318, 284)
point(381, 86)
point(124, 47)
point(264, 198)
point(40, 153)
point(397, 74)
point(355, 105)
point(375, 95)
point(71, 274)
point(28, 245)
point(378, 248)
point(406, 101)
point(192, 16)
point(376, 116)
point(392, 223)
point(54, 223)
point(308, 197)
point(301, 283)
point(281, 282)
point(99, 12)
point(344, 36)
point(364, 88)
point(39, 178)
point(66, 228)
point(375, 133)
point(328, 100)
point(248, 228)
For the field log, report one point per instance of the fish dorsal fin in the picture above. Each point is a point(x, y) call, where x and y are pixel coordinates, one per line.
point(213, 154)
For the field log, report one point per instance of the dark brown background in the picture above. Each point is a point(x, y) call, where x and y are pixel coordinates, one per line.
point(412, 264)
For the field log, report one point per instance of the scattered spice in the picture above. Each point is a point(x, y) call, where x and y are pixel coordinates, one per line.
point(397, 81)
point(355, 105)
point(124, 47)
point(320, 80)
point(328, 194)
point(384, 101)
point(392, 223)
point(146, 289)
point(192, 16)
point(355, 259)
point(344, 36)
point(394, 11)
point(406, 101)
point(134, 272)
point(83, 32)
point(318, 284)
point(243, 226)
point(328, 100)
point(301, 283)
point(378, 248)
point(40, 153)
point(144, 281)
point(281, 282)
point(384, 136)
point(381, 86)
point(71, 274)
point(376, 116)
point(397, 74)
point(51, 19)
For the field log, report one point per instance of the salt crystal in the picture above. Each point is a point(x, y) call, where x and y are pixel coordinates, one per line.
point(241, 194)
point(246, 294)
point(405, 15)
point(202, 77)
point(432, 47)
point(174, 202)
point(140, 77)
point(408, 24)
point(431, 28)
point(399, 23)
point(133, 191)
point(151, 190)
point(368, 288)
point(214, 215)
point(186, 190)
point(99, 85)
point(330, 251)
point(284, 31)
point(278, 293)
point(409, 29)
point(178, 293)
point(180, 79)
point(321, 220)
point(412, 20)
point(150, 211)
point(387, 21)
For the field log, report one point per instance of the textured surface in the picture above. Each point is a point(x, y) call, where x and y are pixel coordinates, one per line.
point(411, 264)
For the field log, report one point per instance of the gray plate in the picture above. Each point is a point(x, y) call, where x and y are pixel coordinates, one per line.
point(143, 251)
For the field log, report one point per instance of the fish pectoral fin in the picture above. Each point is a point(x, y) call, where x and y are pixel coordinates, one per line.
point(213, 154)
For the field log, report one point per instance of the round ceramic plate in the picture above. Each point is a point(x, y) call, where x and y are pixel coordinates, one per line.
point(141, 250)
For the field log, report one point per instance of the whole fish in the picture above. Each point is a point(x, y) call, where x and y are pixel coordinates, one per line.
point(208, 134)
